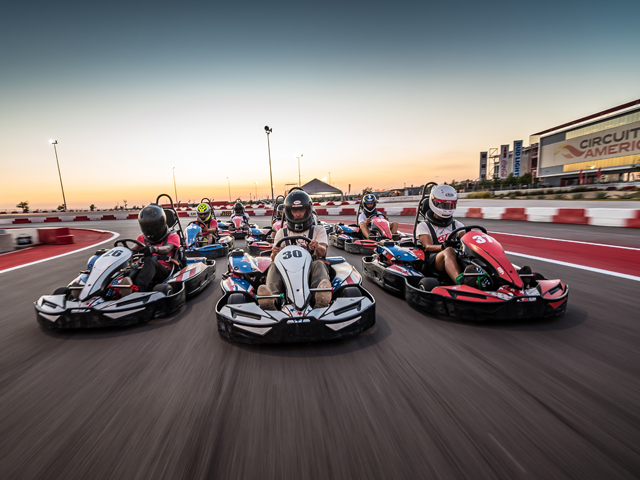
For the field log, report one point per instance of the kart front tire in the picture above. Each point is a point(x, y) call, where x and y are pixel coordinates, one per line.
point(235, 299)
point(163, 288)
point(428, 284)
point(351, 292)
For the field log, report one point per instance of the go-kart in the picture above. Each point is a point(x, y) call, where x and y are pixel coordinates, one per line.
point(238, 228)
point(351, 239)
point(94, 299)
point(198, 246)
point(240, 318)
point(499, 290)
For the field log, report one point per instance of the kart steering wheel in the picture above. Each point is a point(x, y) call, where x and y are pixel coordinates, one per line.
point(455, 239)
point(124, 241)
point(294, 237)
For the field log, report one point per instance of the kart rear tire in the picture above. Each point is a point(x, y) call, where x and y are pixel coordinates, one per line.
point(235, 299)
point(428, 284)
point(60, 291)
point(351, 292)
point(163, 288)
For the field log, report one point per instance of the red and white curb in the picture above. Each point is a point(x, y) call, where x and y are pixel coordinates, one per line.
point(605, 217)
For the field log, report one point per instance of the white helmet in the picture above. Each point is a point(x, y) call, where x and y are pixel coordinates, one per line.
point(443, 200)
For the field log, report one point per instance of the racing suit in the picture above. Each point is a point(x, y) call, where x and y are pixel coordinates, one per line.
point(156, 268)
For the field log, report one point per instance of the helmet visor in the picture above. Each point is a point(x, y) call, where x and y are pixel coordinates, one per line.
point(445, 204)
point(203, 215)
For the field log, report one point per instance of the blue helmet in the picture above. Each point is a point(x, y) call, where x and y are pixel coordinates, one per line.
point(369, 202)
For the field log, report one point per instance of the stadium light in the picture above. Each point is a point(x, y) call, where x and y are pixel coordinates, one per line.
point(175, 189)
point(229, 182)
point(54, 143)
point(299, 183)
point(268, 130)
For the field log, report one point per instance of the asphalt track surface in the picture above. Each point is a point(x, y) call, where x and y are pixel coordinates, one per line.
point(413, 397)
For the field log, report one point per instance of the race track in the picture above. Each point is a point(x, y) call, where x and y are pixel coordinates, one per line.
point(414, 397)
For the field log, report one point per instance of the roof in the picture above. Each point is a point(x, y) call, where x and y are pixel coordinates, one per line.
point(590, 117)
point(317, 187)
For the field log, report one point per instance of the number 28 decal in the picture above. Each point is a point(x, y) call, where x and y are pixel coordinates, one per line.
point(287, 255)
point(482, 238)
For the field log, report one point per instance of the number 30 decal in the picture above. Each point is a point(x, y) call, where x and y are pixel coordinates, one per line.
point(287, 255)
point(482, 238)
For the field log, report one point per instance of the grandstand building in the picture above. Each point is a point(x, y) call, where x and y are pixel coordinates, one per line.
point(603, 147)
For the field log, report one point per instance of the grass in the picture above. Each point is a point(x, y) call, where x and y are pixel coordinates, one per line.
point(576, 196)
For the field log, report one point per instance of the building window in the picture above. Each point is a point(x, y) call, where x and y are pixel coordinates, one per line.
point(605, 125)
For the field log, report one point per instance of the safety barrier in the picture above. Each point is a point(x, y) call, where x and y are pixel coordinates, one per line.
point(609, 217)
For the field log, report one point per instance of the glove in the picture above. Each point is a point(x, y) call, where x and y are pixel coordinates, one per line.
point(147, 250)
point(449, 242)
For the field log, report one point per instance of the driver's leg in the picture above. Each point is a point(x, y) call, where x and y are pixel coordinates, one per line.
point(151, 271)
point(447, 261)
point(320, 279)
point(274, 286)
point(394, 227)
point(364, 230)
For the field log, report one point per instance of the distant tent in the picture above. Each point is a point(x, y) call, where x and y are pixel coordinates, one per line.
point(317, 187)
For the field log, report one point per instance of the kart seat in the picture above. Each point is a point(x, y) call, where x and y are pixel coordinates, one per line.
point(172, 219)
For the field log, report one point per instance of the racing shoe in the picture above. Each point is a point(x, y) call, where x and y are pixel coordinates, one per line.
point(468, 277)
point(125, 291)
point(323, 299)
point(265, 303)
point(527, 275)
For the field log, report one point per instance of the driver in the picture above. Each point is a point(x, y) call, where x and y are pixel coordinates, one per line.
point(207, 222)
point(238, 211)
point(369, 211)
point(434, 232)
point(159, 249)
point(299, 220)
point(277, 218)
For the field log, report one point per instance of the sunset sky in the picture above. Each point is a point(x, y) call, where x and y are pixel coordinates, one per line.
point(376, 93)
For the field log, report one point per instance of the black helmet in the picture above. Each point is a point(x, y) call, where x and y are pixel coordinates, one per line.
point(279, 211)
point(153, 223)
point(238, 208)
point(295, 201)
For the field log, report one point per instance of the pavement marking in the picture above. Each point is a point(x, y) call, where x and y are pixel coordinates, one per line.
point(508, 454)
point(575, 265)
point(115, 235)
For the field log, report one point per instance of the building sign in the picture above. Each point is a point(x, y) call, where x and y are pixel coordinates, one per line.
point(483, 165)
point(517, 157)
point(611, 143)
point(504, 161)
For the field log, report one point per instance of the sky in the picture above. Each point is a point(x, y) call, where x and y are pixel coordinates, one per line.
point(371, 94)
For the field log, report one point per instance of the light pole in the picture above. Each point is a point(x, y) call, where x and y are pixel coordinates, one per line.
point(299, 182)
point(54, 143)
point(229, 182)
point(256, 190)
point(175, 189)
point(268, 131)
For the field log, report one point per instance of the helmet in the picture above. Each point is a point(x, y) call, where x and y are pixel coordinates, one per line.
point(153, 223)
point(296, 201)
point(204, 212)
point(279, 211)
point(443, 201)
point(238, 208)
point(369, 202)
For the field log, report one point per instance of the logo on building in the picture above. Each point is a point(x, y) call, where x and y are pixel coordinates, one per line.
point(569, 151)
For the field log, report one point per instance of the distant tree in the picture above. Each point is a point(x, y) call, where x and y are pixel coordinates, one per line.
point(367, 190)
point(125, 204)
point(60, 208)
point(92, 207)
point(24, 206)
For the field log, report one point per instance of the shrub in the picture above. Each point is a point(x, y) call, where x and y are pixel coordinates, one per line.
point(486, 194)
point(520, 194)
point(541, 197)
point(577, 196)
point(549, 192)
point(513, 195)
point(601, 195)
point(580, 189)
point(558, 196)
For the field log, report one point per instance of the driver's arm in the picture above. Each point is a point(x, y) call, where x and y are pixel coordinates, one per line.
point(428, 245)
point(320, 249)
point(164, 250)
